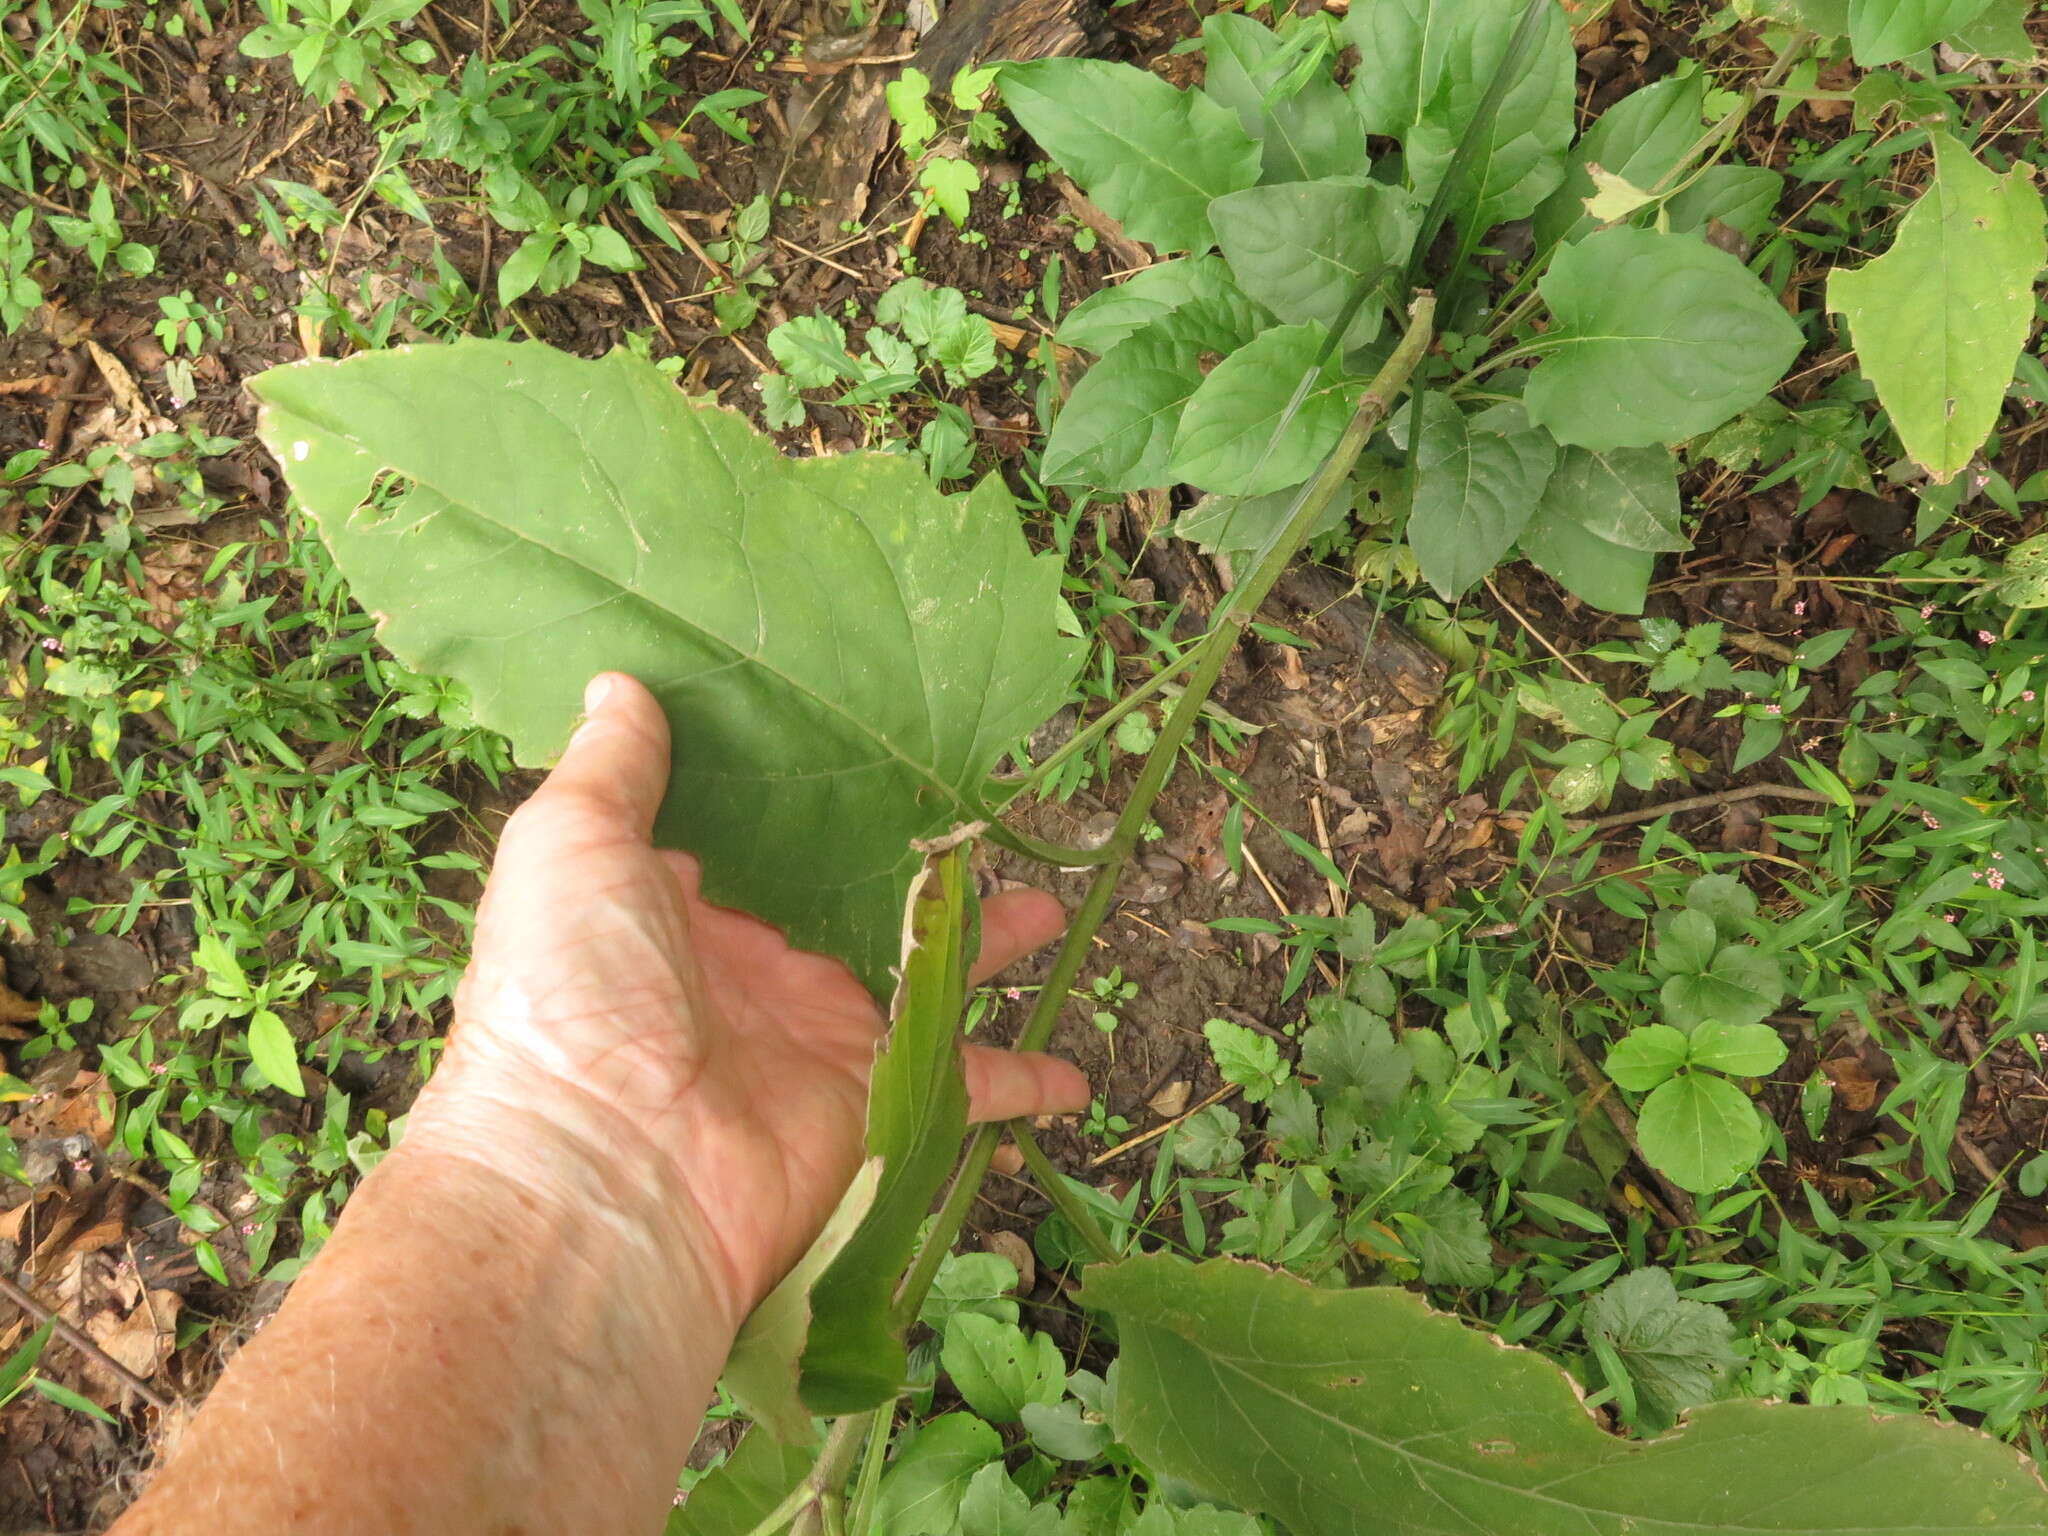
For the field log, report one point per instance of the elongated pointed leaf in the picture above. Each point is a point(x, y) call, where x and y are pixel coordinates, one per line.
point(1150, 155)
point(1658, 338)
point(1363, 1413)
point(1427, 64)
point(1475, 489)
point(1313, 132)
point(1939, 319)
point(1301, 247)
point(917, 1114)
point(1885, 31)
point(843, 653)
point(1743, 197)
point(1640, 139)
point(1227, 441)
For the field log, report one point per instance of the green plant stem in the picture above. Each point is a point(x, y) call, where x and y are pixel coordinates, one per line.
point(1077, 1215)
point(862, 1518)
point(1094, 730)
point(1046, 853)
point(1226, 627)
point(803, 1511)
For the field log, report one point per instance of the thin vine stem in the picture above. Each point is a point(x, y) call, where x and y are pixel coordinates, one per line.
point(1214, 649)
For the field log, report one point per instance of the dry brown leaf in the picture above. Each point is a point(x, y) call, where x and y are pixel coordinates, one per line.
point(142, 1341)
point(16, 1009)
point(1009, 1245)
point(1169, 1101)
point(1854, 1085)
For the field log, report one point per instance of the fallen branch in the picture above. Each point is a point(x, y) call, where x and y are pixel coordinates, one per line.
point(1720, 797)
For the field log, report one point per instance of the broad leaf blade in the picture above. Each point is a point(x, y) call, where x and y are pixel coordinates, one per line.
point(1150, 155)
point(1363, 1413)
point(1428, 64)
point(1312, 133)
point(734, 1498)
point(1232, 435)
point(1885, 31)
point(1116, 430)
point(1701, 1131)
point(1940, 318)
point(1302, 247)
point(1626, 496)
point(1641, 138)
point(837, 645)
point(1658, 338)
point(1198, 292)
point(1475, 490)
point(1605, 574)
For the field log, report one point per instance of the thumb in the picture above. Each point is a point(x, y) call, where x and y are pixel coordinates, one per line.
point(616, 764)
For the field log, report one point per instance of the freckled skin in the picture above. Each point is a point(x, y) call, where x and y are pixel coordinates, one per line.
point(647, 1110)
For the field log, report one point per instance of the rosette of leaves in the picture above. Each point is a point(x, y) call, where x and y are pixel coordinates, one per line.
point(1222, 368)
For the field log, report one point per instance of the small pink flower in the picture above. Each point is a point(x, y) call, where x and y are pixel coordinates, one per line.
point(1799, 609)
point(1997, 855)
point(1933, 821)
point(1976, 874)
point(1985, 637)
point(1774, 709)
point(159, 1068)
point(1948, 917)
point(1014, 994)
point(247, 1229)
point(1995, 879)
point(2027, 695)
point(1927, 612)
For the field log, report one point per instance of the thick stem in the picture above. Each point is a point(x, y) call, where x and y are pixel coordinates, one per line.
point(1212, 651)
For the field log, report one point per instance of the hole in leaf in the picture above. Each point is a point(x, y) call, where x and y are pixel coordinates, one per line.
point(388, 495)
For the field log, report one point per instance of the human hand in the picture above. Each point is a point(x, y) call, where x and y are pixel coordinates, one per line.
point(608, 998)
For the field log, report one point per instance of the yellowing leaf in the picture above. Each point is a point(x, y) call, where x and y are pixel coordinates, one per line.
point(1939, 319)
point(1614, 197)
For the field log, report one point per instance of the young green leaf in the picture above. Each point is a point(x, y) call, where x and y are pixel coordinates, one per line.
point(616, 524)
point(275, 1053)
point(1347, 1047)
point(1743, 197)
point(812, 351)
point(922, 1490)
point(1363, 1412)
point(1679, 1354)
point(1226, 440)
point(1116, 431)
point(1641, 139)
point(1740, 1050)
point(1700, 1131)
point(1939, 319)
point(1646, 1056)
point(1428, 64)
point(995, 1506)
point(1475, 489)
point(1657, 338)
point(1313, 132)
point(998, 1368)
point(952, 183)
point(1301, 247)
point(1247, 1058)
point(1151, 156)
point(1885, 31)
point(1740, 987)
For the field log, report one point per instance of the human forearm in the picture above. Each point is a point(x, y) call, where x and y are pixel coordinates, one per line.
point(521, 1348)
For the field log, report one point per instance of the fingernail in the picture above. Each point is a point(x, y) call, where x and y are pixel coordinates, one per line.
point(596, 692)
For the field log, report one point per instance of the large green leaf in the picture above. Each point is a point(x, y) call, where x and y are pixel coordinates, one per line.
point(838, 647)
point(1743, 197)
point(1207, 308)
point(1938, 320)
point(1657, 338)
point(917, 1113)
point(1885, 31)
point(1426, 65)
point(1313, 132)
point(1641, 138)
point(1626, 496)
point(922, 1490)
point(1227, 440)
point(1116, 430)
point(1363, 1413)
point(1477, 480)
point(1150, 155)
point(1301, 247)
point(1603, 573)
